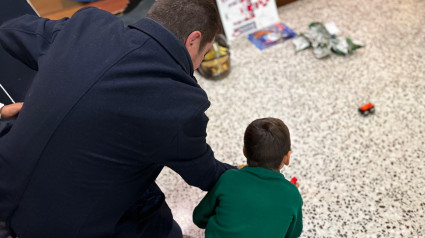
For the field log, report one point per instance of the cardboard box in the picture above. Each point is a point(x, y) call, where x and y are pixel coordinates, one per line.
point(272, 35)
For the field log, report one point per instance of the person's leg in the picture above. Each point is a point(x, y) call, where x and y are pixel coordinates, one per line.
point(3, 231)
point(175, 231)
point(161, 213)
point(149, 217)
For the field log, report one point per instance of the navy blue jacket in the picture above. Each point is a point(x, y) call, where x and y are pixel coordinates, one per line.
point(14, 76)
point(109, 107)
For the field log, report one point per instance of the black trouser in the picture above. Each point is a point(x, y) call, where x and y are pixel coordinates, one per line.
point(149, 217)
point(175, 232)
point(3, 230)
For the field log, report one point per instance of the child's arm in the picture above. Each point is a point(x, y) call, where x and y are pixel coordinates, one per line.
point(296, 226)
point(206, 208)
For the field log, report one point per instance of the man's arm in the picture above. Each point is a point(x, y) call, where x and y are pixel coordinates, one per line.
point(28, 37)
point(193, 159)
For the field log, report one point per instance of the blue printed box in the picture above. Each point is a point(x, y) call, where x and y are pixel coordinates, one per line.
point(272, 35)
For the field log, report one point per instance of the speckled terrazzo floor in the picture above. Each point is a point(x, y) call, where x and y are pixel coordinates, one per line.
point(359, 176)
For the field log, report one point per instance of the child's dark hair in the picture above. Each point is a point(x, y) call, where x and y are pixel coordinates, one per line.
point(266, 142)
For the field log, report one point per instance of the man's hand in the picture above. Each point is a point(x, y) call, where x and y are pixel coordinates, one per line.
point(11, 110)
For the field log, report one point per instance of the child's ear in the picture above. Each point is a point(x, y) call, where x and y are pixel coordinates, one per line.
point(286, 158)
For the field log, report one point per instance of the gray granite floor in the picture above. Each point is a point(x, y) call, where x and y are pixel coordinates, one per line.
point(359, 176)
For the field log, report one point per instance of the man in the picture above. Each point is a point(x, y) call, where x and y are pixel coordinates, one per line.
point(109, 107)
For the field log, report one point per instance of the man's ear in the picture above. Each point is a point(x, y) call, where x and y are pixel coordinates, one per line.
point(193, 41)
point(244, 152)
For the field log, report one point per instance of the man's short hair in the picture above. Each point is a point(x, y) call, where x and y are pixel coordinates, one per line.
point(183, 17)
point(266, 142)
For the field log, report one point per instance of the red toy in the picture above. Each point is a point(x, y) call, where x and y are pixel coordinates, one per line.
point(294, 180)
point(367, 109)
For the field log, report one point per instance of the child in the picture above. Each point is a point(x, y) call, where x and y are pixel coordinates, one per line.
point(255, 201)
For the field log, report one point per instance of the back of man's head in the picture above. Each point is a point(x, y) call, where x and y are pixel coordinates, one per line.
point(183, 17)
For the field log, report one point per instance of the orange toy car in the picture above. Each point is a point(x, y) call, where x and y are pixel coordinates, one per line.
point(367, 109)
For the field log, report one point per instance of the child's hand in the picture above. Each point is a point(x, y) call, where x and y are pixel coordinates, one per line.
point(297, 185)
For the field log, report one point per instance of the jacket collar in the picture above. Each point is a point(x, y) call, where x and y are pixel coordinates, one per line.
point(168, 41)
